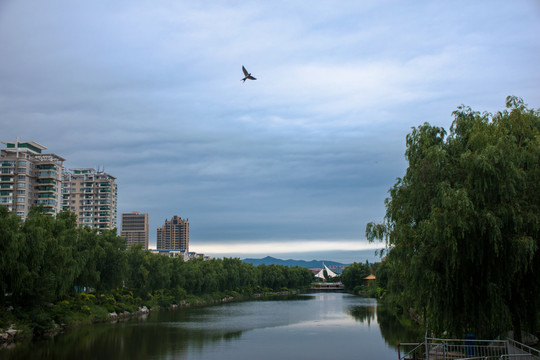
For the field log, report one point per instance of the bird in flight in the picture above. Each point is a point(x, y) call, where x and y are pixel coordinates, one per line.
point(247, 75)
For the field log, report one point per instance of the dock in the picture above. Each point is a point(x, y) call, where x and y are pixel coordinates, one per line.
point(326, 287)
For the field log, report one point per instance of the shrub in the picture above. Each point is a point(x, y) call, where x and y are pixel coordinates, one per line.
point(357, 289)
point(179, 294)
point(165, 301)
point(41, 321)
point(99, 313)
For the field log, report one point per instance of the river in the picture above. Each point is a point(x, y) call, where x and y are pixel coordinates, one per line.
point(312, 326)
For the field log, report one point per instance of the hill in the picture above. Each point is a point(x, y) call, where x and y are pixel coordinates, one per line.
point(290, 262)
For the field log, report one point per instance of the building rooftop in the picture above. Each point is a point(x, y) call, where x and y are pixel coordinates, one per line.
point(32, 145)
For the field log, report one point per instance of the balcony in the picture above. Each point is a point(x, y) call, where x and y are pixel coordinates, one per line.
point(5, 179)
point(45, 189)
point(46, 196)
point(6, 200)
point(47, 167)
point(6, 186)
point(7, 166)
point(47, 174)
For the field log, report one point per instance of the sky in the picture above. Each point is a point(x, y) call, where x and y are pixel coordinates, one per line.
point(293, 164)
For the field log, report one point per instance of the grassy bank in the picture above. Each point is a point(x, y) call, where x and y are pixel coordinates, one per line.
point(24, 324)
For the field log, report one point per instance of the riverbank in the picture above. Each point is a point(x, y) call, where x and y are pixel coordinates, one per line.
point(23, 325)
point(276, 327)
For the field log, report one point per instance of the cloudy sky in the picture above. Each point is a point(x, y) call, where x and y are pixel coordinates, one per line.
point(293, 164)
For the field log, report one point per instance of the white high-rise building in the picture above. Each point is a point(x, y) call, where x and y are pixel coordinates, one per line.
point(29, 177)
point(92, 195)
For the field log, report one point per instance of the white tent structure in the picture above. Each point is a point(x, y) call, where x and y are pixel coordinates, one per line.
point(320, 275)
point(329, 272)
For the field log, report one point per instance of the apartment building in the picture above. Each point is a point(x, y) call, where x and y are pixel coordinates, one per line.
point(173, 235)
point(134, 228)
point(92, 195)
point(30, 177)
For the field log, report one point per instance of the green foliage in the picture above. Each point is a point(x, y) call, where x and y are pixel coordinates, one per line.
point(46, 260)
point(111, 260)
point(354, 274)
point(462, 226)
point(41, 320)
point(10, 249)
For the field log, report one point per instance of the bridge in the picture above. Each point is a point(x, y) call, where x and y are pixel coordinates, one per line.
point(326, 287)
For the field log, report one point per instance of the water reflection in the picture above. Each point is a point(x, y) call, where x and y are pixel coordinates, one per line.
point(303, 326)
point(364, 313)
point(395, 330)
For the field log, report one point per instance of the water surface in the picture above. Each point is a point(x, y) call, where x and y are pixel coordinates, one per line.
point(314, 326)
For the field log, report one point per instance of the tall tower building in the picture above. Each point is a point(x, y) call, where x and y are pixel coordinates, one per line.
point(173, 235)
point(92, 195)
point(134, 228)
point(29, 177)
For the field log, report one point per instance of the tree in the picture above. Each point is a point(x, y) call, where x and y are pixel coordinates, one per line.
point(46, 268)
point(462, 226)
point(111, 261)
point(86, 252)
point(354, 274)
point(159, 271)
point(10, 248)
point(137, 273)
point(232, 268)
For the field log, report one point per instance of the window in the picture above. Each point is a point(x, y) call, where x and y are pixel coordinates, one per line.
point(20, 199)
point(21, 177)
point(21, 192)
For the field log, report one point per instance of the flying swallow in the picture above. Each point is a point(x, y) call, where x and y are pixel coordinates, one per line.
point(247, 75)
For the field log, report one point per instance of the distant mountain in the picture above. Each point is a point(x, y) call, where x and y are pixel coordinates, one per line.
point(290, 262)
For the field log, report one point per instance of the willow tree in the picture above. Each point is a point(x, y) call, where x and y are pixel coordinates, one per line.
point(10, 248)
point(462, 226)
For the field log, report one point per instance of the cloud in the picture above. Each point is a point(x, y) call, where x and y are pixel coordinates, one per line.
point(152, 93)
point(281, 247)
